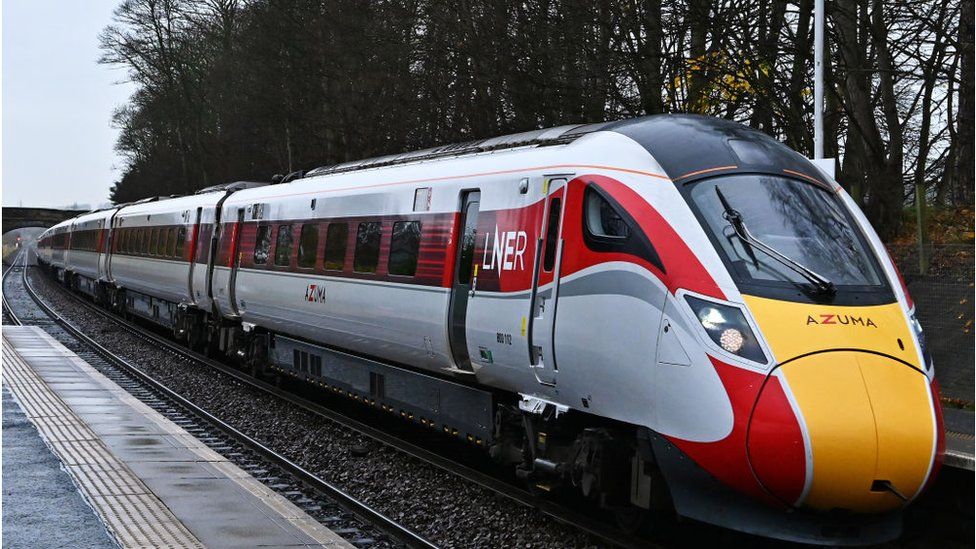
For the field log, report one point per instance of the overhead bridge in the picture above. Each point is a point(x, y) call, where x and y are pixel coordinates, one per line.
point(18, 218)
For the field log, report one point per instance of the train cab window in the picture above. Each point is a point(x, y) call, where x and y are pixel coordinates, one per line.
point(367, 247)
point(602, 220)
point(308, 245)
point(262, 245)
point(171, 240)
point(284, 245)
point(552, 234)
point(609, 228)
point(404, 248)
point(180, 242)
point(335, 246)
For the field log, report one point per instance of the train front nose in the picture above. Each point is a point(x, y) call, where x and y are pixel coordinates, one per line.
point(870, 432)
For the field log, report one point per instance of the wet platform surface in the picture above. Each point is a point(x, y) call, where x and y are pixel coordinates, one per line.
point(41, 505)
point(149, 482)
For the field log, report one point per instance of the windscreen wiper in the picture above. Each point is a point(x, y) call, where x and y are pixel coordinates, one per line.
point(820, 283)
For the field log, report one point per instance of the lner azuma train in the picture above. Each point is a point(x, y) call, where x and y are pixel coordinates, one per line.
point(670, 312)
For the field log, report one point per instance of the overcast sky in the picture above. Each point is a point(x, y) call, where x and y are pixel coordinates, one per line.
point(58, 103)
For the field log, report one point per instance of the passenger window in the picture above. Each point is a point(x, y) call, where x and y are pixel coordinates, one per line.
point(404, 248)
point(164, 237)
point(552, 234)
point(262, 245)
point(283, 247)
point(171, 242)
point(141, 241)
point(335, 246)
point(602, 219)
point(156, 237)
point(367, 247)
point(180, 242)
point(308, 245)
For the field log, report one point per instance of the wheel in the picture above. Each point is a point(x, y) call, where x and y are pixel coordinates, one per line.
point(631, 519)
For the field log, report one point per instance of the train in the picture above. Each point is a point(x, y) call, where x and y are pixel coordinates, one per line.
point(672, 315)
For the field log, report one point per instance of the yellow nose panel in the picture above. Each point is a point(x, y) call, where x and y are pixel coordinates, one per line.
point(830, 393)
point(868, 419)
point(901, 401)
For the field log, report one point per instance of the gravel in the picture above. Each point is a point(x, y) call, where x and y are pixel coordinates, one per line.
point(446, 509)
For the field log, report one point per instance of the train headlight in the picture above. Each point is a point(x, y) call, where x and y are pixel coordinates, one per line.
point(728, 328)
point(920, 336)
point(731, 340)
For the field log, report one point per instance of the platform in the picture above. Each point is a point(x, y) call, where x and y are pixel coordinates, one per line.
point(149, 482)
point(959, 438)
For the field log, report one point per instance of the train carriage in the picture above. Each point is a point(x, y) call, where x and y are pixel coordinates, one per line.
point(667, 311)
point(87, 254)
point(52, 245)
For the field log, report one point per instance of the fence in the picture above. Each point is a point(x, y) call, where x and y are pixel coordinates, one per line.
point(942, 288)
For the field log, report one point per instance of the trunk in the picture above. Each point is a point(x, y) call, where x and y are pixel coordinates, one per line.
point(891, 187)
point(856, 32)
point(797, 128)
point(651, 57)
point(930, 80)
point(963, 166)
point(762, 114)
point(698, 74)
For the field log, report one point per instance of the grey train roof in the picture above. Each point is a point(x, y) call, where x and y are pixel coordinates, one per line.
point(681, 143)
point(685, 144)
point(547, 136)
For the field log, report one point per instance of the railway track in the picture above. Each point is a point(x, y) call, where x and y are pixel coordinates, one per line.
point(439, 454)
point(345, 515)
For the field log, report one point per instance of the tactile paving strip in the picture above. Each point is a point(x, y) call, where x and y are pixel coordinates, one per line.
point(130, 511)
point(114, 490)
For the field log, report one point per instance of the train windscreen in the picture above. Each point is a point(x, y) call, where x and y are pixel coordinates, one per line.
point(802, 223)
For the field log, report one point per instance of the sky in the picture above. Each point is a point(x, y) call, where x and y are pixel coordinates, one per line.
point(58, 140)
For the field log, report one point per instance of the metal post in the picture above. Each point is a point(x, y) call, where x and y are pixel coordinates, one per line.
point(818, 47)
point(923, 264)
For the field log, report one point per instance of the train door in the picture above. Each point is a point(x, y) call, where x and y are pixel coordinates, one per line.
point(545, 285)
point(104, 248)
point(194, 233)
point(235, 261)
point(465, 280)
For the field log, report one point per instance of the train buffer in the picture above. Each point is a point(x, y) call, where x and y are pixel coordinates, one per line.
point(149, 481)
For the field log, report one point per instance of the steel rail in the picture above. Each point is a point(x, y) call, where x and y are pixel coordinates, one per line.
point(498, 486)
point(7, 309)
point(358, 508)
